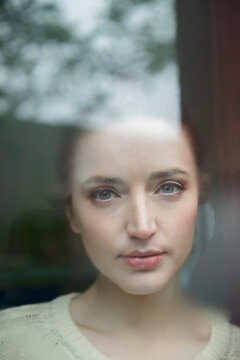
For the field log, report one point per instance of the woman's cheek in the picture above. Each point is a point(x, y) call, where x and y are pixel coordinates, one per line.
point(97, 232)
point(182, 228)
point(96, 225)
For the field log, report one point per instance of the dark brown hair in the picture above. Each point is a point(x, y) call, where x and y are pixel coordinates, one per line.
point(199, 150)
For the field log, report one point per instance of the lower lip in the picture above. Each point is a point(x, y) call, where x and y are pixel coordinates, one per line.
point(142, 262)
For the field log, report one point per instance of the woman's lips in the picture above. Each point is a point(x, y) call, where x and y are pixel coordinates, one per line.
point(143, 259)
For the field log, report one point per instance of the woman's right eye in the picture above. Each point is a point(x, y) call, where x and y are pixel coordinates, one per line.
point(103, 195)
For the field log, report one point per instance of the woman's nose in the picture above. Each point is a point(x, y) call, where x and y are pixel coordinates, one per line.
point(141, 222)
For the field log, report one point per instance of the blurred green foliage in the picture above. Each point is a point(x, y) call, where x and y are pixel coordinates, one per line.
point(25, 27)
point(45, 58)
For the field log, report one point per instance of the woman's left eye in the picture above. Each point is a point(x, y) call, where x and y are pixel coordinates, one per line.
point(170, 188)
point(103, 195)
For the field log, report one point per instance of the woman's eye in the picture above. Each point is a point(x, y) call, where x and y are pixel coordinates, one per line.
point(103, 195)
point(170, 188)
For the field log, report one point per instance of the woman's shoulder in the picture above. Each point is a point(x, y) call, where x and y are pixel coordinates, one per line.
point(24, 314)
point(30, 313)
point(19, 326)
point(18, 321)
point(234, 348)
point(224, 342)
point(227, 334)
point(28, 331)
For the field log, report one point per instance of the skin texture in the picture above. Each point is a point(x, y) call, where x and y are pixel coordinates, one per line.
point(135, 192)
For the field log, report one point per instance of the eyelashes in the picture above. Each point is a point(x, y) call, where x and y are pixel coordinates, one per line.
point(103, 194)
point(168, 189)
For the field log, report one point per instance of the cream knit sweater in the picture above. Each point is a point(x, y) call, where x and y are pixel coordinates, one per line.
point(46, 332)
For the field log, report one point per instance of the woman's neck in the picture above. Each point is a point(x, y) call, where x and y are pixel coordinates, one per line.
point(111, 307)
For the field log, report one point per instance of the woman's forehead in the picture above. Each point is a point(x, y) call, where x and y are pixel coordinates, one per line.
point(138, 131)
point(102, 141)
point(118, 151)
point(146, 127)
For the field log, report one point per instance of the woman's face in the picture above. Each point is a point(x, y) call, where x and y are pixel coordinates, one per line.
point(134, 202)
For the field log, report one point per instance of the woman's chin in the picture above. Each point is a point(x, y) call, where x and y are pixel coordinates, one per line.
point(140, 283)
point(141, 292)
point(143, 287)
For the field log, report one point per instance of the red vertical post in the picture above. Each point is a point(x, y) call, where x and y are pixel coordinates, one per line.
point(226, 83)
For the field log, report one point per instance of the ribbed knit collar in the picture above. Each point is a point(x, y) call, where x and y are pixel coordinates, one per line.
point(77, 344)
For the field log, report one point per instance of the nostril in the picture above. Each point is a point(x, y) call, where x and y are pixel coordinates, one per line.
point(141, 231)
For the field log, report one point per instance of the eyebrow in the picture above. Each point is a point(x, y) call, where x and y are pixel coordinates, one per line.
point(167, 173)
point(102, 179)
point(117, 181)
